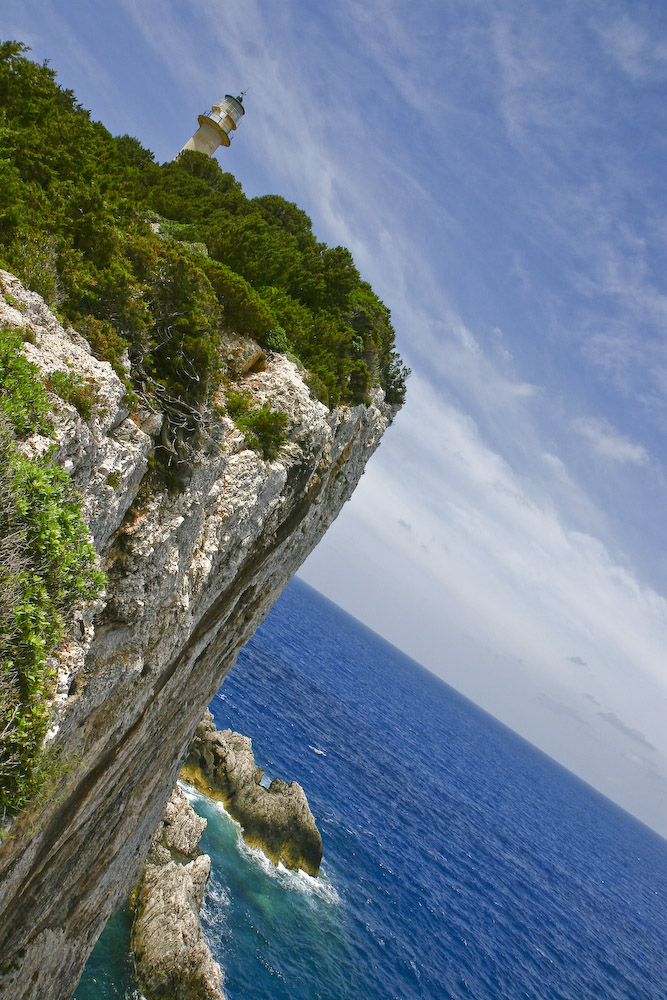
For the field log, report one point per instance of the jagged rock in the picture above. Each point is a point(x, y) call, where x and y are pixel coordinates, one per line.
point(241, 354)
point(191, 576)
point(277, 819)
point(172, 958)
point(181, 827)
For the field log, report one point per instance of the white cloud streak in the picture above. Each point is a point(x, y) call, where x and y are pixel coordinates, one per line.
point(606, 441)
point(636, 48)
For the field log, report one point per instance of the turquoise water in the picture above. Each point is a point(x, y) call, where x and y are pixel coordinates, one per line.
point(458, 861)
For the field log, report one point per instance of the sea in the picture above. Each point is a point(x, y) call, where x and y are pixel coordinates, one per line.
point(459, 861)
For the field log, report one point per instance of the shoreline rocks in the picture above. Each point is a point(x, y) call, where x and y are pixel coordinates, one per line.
point(277, 819)
point(172, 958)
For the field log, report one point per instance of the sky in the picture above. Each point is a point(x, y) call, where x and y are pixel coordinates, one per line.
point(498, 171)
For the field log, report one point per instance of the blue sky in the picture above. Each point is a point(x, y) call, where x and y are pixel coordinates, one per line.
point(497, 170)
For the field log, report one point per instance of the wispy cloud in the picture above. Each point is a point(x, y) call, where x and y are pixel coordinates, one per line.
point(632, 734)
point(525, 70)
point(565, 711)
point(639, 49)
point(607, 441)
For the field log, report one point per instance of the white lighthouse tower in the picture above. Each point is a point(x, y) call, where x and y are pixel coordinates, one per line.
point(216, 125)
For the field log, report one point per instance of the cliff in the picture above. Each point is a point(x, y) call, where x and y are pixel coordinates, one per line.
point(191, 576)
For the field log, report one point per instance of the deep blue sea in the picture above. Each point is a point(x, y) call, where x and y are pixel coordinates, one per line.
point(458, 860)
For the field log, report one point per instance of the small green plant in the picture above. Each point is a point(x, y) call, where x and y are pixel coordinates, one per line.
point(23, 399)
point(105, 343)
point(265, 429)
point(75, 390)
point(33, 257)
point(11, 301)
point(317, 387)
point(237, 403)
point(276, 340)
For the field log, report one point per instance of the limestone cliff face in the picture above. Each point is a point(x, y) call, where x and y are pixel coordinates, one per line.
point(191, 576)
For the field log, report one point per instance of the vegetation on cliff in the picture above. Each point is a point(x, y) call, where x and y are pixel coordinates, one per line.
point(152, 264)
point(47, 566)
point(154, 259)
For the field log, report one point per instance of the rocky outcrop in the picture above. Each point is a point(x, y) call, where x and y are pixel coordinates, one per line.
point(191, 576)
point(241, 354)
point(172, 958)
point(277, 819)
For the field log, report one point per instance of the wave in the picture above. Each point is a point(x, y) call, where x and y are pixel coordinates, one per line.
point(320, 887)
point(299, 881)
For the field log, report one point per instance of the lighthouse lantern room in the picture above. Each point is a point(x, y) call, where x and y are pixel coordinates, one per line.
point(216, 125)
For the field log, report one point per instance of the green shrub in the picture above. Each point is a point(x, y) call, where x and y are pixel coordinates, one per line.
point(265, 429)
point(360, 382)
point(237, 403)
point(244, 311)
point(317, 388)
point(75, 390)
point(23, 399)
point(276, 340)
point(33, 257)
point(105, 343)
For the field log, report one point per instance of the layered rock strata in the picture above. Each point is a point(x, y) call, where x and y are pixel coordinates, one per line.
point(171, 956)
point(277, 819)
point(191, 576)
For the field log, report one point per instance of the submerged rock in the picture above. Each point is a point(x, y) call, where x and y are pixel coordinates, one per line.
point(171, 956)
point(277, 819)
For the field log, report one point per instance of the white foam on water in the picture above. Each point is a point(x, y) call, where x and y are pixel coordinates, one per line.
point(322, 753)
point(215, 897)
point(299, 881)
point(190, 792)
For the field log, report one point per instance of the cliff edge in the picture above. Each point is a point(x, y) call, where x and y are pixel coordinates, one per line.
point(191, 575)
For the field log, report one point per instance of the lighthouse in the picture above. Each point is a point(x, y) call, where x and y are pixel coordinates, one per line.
point(216, 125)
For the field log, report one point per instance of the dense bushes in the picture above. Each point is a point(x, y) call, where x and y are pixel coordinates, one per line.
point(74, 209)
point(47, 566)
